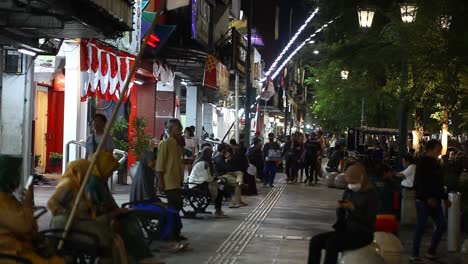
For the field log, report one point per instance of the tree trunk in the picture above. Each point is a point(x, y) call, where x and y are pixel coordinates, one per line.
point(418, 131)
point(445, 120)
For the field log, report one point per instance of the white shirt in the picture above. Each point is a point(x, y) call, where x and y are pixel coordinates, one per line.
point(200, 174)
point(333, 143)
point(408, 173)
point(190, 145)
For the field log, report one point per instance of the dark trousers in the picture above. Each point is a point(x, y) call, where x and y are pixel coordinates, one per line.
point(174, 199)
point(270, 172)
point(335, 242)
point(423, 211)
point(219, 200)
point(310, 169)
point(288, 168)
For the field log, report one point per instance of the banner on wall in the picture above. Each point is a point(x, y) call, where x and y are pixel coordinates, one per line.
point(216, 75)
point(104, 71)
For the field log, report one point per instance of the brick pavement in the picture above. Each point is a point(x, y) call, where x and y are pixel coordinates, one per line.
point(274, 228)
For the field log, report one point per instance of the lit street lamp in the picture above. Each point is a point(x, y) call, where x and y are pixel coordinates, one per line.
point(344, 74)
point(408, 12)
point(366, 16)
point(445, 21)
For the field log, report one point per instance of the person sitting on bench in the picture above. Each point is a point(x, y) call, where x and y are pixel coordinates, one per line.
point(223, 169)
point(106, 207)
point(356, 213)
point(202, 175)
point(143, 195)
point(17, 224)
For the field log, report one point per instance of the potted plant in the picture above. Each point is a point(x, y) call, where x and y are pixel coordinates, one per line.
point(140, 140)
point(55, 159)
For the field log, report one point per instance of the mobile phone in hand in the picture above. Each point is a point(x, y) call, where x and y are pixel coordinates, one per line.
point(341, 201)
point(29, 181)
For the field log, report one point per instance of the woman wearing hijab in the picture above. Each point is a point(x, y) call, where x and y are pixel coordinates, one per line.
point(105, 206)
point(356, 215)
point(202, 174)
point(63, 198)
point(17, 224)
point(143, 195)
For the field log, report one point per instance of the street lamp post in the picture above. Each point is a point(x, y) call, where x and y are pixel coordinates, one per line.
point(366, 17)
point(408, 15)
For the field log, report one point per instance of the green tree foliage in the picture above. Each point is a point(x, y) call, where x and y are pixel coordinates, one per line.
point(424, 60)
point(140, 140)
point(119, 133)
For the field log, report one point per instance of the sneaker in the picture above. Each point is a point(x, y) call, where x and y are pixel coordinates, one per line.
point(416, 260)
point(220, 214)
point(431, 256)
point(235, 206)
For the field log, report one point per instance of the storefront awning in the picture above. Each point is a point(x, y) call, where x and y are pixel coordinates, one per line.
point(104, 71)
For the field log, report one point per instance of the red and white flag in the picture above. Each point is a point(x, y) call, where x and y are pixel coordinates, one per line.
point(177, 108)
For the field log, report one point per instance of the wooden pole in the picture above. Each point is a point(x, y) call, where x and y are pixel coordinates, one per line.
point(110, 123)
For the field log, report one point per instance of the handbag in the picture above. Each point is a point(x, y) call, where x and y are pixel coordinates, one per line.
point(187, 152)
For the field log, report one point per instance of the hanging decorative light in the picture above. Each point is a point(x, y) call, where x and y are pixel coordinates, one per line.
point(445, 21)
point(408, 12)
point(344, 74)
point(366, 16)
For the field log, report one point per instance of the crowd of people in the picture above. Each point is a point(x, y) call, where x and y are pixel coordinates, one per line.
point(364, 198)
point(226, 172)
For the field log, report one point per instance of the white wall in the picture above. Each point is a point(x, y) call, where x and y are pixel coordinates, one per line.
point(16, 114)
point(75, 117)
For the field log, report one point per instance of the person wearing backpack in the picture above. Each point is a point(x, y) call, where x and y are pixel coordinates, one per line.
point(271, 154)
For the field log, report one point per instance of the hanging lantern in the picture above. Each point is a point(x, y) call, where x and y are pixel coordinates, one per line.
point(408, 12)
point(366, 16)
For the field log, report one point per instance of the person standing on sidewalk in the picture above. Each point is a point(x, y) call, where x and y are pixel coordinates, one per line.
point(430, 193)
point(355, 224)
point(288, 156)
point(93, 140)
point(271, 154)
point(310, 159)
point(169, 165)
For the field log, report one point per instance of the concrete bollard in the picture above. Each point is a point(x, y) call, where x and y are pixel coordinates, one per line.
point(408, 207)
point(366, 255)
point(390, 247)
point(340, 182)
point(330, 179)
point(454, 222)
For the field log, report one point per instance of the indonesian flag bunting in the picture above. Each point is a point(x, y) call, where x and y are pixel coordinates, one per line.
point(254, 124)
point(268, 91)
point(177, 108)
point(104, 71)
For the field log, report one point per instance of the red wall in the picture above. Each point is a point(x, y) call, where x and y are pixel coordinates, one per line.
point(54, 136)
point(143, 104)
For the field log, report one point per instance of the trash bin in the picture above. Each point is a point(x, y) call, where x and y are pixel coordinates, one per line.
point(454, 222)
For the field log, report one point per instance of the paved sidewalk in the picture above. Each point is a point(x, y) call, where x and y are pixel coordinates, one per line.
point(275, 227)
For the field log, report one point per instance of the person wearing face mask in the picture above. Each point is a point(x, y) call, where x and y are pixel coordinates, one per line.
point(356, 215)
point(429, 187)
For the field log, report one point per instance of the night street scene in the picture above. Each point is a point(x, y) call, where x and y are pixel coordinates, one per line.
point(234, 131)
